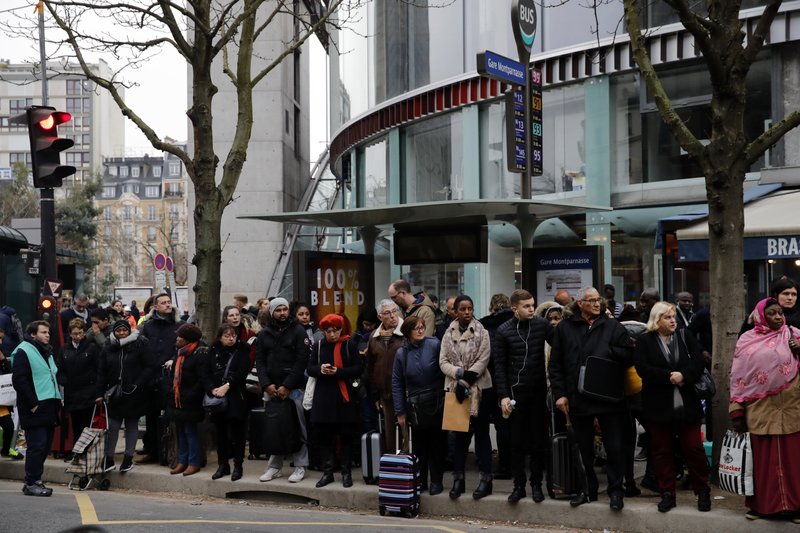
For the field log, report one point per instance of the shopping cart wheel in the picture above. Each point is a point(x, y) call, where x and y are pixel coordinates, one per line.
point(83, 482)
point(105, 484)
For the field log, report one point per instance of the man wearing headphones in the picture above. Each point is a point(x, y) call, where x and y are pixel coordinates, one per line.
point(521, 383)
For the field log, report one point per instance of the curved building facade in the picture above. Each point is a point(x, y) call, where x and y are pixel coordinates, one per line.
point(413, 122)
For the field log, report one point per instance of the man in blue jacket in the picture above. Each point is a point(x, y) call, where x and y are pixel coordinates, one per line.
point(38, 401)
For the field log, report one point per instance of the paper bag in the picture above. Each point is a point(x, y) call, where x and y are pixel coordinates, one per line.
point(456, 415)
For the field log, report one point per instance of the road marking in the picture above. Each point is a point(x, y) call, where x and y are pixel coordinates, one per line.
point(88, 514)
point(258, 523)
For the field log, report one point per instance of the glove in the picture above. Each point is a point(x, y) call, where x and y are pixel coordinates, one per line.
point(739, 424)
point(461, 393)
point(470, 377)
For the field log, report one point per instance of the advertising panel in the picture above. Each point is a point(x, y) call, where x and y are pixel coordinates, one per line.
point(569, 268)
point(334, 283)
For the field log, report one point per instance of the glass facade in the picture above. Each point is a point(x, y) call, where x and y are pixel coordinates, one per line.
point(432, 156)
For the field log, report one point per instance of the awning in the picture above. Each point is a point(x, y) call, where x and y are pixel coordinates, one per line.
point(770, 230)
point(11, 239)
point(433, 213)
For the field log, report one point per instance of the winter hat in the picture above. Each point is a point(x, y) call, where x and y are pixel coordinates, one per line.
point(275, 303)
point(121, 324)
point(189, 332)
point(331, 321)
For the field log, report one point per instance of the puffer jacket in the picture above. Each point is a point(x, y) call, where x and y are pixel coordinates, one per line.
point(282, 356)
point(575, 340)
point(77, 373)
point(416, 369)
point(160, 332)
point(518, 354)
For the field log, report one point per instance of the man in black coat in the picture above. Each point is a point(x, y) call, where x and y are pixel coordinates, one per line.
point(589, 332)
point(281, 358)
point(160, 330)
point(520, 376)
point(38, 400)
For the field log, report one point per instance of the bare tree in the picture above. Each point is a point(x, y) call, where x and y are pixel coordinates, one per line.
point(212, 36)
point(728, 53)
point(18, 199)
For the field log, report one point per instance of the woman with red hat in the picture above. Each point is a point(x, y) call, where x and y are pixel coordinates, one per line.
point(335, 363)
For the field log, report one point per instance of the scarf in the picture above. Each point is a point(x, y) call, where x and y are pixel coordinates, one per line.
point(339, 363)
point(763, 363)
point(461, 348)
point(183, 353)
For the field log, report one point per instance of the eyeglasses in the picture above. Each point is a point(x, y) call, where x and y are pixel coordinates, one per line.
point(389, 313)
point(593, 301)
point(419, 328)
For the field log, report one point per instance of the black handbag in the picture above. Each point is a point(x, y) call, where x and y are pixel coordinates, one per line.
point(602, 379)
point(704, 387)
point(213, 404)
point(425, 409)
point(281, 427)
point(113, 394)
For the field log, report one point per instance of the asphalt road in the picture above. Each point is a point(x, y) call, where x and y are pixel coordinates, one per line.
point(127, 511)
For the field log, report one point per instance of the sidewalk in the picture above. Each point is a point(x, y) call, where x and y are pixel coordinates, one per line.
point(639, 515)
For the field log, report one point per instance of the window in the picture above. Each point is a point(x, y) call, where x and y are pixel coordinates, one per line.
point(123, 171)
point(109, 192)
point(74, 105)
point(135, 172)
point(127, 214)
point(107, 255)
point(108, 231)
point(74, 87)
point(175, 168)
point(78, 159)
point(151, 191)
point(151, 212)
point(173, 212)
point(156, 172)
point(173, 235)
point(19, 157)
point(112, 171)
point(127, 231)
point(129, 273)
point(107, 212)
point(151, 234)
point(18, 105)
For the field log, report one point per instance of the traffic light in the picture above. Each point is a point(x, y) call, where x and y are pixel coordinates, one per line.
point(46, 146)
point(47, 307)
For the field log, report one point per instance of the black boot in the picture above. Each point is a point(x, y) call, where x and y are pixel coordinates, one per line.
point(538, 495)
point(484, 487)
point(347, 479)
point(459, 487)
point(223, 470)
point(517, 494)
point(237, 473)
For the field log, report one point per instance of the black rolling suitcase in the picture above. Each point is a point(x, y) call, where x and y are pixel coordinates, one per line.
point(563, 476)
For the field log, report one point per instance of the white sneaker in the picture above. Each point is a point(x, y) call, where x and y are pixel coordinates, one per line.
point(298, 475)
point(270, 474)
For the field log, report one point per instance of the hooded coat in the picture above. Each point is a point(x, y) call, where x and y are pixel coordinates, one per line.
point(127, 362)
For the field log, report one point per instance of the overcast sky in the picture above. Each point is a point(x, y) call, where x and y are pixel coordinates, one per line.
point(161, 97)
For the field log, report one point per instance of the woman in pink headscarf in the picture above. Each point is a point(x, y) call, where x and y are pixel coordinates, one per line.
point(765, 400)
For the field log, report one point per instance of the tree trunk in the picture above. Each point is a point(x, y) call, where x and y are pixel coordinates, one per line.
point(207, 260)
point(726, 276)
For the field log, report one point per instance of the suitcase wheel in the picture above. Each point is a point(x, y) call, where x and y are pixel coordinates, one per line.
point(83, 482)
point(382, 510)
point(105, 484)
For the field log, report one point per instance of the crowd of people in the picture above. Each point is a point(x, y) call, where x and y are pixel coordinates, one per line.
point(515, 368)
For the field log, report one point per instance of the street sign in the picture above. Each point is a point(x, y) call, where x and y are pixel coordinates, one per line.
point(53, 287)
point(500, 68)
point(160, 261)
point(169, 265)
point(161, 280)
point(523, 22)
point(32, 258)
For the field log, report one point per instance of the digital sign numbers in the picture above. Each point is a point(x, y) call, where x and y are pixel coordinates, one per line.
point(517, 155)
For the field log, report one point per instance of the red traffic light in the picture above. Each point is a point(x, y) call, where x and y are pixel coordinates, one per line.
point(47, 303)
point(48, 121)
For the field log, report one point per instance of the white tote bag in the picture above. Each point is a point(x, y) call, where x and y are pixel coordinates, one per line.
point(8, 396)
point(736, 464)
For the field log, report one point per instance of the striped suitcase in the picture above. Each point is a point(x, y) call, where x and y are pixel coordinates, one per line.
point(399, 484)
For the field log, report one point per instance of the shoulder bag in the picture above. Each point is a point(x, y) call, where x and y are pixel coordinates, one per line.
point(424, 409)
point(602, 379)
point(114, 392)
point(704, 387)
point(215, 405)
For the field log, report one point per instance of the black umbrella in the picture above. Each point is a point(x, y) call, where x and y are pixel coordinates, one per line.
point(576, 456)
